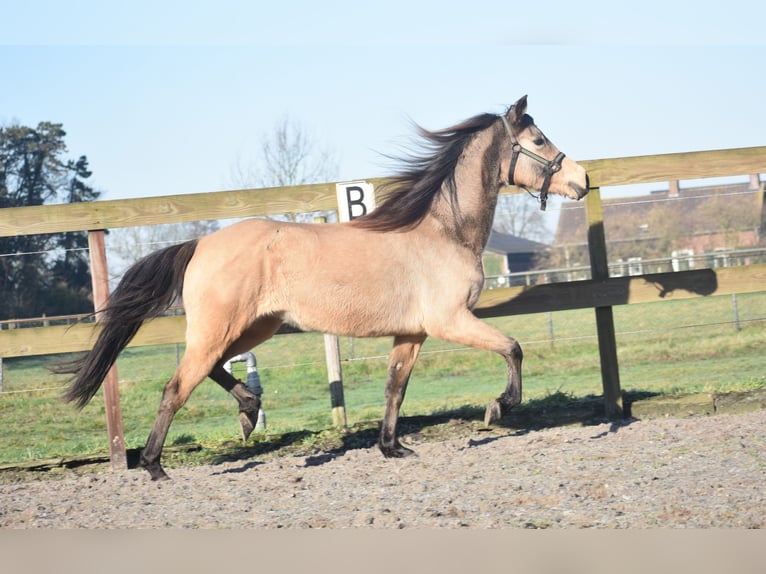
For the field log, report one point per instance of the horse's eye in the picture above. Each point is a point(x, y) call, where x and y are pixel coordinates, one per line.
point(539, 142)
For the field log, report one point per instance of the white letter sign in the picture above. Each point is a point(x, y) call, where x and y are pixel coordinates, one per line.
point(355, 198)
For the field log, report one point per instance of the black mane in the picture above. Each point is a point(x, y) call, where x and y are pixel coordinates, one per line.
point(410, 193)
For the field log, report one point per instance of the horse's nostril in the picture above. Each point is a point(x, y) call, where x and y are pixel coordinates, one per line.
point(579, 192)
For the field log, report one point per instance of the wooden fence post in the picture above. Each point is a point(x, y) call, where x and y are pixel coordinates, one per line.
point(100, 280)
point(607, 340)
point(337, 401)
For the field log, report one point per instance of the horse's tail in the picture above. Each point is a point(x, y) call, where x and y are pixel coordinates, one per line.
point(147, 289)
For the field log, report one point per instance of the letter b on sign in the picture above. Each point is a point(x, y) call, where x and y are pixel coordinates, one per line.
point(355, 198)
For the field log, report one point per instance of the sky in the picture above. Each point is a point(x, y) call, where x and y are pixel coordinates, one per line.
point(168, 97)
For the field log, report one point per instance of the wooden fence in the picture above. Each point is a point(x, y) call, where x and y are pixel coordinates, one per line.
point(601, 292)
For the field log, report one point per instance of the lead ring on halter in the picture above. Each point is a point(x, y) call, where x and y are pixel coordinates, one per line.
point(549, 166)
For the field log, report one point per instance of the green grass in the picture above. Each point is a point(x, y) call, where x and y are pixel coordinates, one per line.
point(668, 347)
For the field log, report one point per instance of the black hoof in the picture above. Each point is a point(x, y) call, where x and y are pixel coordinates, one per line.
point(155, 470)
point(396, 451)
point(247, 422)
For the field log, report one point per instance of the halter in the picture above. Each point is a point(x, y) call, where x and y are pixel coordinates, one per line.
point(549, 166)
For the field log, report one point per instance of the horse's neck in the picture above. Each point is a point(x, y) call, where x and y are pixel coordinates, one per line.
point(468, 220)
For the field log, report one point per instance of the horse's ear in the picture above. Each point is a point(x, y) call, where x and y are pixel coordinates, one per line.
point(517, 111)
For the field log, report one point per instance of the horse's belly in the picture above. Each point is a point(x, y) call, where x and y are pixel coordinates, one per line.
point(354, 316)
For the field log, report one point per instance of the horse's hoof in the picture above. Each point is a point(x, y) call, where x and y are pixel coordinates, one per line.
point(493, 413)
point(155, 470)
point(396, 451)
point(247, 424)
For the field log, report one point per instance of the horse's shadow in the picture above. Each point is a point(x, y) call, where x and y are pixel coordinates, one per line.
point(557, 409)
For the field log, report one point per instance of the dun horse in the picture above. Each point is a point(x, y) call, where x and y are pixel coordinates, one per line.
point(409, 269)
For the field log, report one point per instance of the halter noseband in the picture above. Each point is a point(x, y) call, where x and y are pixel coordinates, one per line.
point(549, 166)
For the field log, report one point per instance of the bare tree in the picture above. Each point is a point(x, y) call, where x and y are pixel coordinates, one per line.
point(289, 156)
point(518, 214)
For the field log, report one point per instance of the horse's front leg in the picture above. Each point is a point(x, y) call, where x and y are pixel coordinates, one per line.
point(403, 357)
point(511, 397)
point(466, 329)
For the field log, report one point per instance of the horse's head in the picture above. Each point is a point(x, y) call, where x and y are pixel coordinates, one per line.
point(534, 162)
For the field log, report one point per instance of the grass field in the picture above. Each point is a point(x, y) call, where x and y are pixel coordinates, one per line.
point(668, 347)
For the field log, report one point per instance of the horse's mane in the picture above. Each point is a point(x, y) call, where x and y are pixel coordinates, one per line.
point(409, 194)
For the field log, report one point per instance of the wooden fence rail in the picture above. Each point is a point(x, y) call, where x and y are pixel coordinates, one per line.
point(115, 213)
point(592, 293)
point(601, 292)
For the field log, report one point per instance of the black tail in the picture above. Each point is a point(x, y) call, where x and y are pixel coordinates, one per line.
point(147, 289)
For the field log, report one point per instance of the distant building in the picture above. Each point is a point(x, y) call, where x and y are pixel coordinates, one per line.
point(505, 254)
point(671, 230)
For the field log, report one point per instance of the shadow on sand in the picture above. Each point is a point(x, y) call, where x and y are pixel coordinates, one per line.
point(320, 447)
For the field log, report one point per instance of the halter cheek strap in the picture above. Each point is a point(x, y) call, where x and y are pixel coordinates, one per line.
point(549, 166)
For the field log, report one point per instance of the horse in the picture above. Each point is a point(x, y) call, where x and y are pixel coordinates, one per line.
point(410, 269)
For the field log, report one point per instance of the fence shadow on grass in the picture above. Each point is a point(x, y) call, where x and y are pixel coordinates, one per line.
point(319, 447)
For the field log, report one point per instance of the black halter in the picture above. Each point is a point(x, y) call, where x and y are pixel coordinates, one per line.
point(549, 166)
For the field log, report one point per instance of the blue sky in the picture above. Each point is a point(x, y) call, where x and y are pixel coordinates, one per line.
point(166, 97)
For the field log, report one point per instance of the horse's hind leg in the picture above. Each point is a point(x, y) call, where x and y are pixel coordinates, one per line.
point(249, 404)
point(177, 390)
point(403, 357)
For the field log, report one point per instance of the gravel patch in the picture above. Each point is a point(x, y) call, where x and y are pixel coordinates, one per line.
point(707, 471)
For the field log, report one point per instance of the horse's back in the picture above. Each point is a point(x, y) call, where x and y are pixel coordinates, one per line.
point(333, 278)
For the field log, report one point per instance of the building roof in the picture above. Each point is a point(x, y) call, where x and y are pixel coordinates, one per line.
point(692, 211)
point(508, 244)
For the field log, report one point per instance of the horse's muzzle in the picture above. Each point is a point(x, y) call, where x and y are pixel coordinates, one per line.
point(580, 192)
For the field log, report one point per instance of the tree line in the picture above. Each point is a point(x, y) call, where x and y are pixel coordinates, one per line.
point(42, 274)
